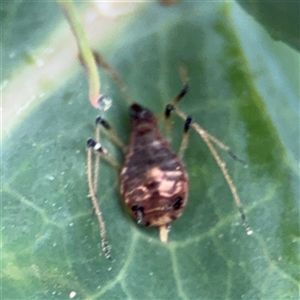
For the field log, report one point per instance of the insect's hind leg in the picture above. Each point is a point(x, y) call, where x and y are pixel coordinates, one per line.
point(170, 107)
point(185, 136)
point(188, 121)
point(209, 141)
point(93, 173)
point(92, 184)
point(174, 106)
point(164, 229)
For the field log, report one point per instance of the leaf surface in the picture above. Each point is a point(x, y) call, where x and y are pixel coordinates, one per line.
point(244, 89)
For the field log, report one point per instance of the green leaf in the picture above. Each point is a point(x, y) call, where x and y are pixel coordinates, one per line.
point(281, 19)
point(244, 89)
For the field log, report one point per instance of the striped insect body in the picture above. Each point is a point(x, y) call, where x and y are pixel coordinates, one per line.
point(153, 180)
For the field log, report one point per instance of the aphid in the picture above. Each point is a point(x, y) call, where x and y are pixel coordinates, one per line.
point(153, 179)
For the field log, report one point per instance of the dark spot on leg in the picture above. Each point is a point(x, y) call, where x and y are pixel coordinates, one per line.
point(90, 143)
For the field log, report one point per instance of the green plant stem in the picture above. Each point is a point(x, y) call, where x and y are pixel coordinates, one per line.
point(86, 54)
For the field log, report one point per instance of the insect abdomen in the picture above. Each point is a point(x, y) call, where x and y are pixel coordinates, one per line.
point(153, 179)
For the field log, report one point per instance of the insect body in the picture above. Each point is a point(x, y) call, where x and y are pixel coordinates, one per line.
point(153, 180)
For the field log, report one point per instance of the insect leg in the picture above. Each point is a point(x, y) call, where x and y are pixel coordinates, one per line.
point(185, 136)
point(170, 107)
point(92, 175)
point(115, 76)
point(207, 138)
point(92, 195)
point(213, 139)
point(224, 147)
point(181, 94)
point(168, 121)
point(112, 134)
point(91, 143)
